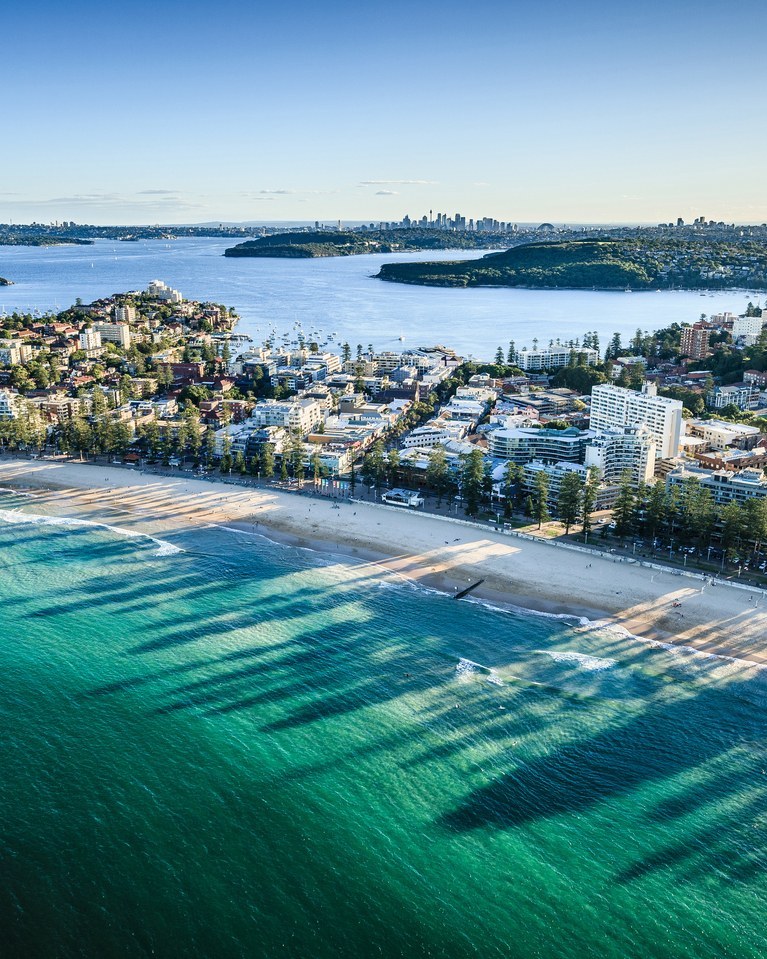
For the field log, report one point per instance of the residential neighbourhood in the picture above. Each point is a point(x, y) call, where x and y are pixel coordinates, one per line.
point(152, 379)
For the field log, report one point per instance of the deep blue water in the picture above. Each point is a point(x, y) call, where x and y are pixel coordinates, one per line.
point(338, 294)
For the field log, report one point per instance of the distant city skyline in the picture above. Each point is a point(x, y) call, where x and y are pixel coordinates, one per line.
point(585, 113)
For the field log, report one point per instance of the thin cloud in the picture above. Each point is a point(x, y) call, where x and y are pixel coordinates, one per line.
point(397, 182)
point(386, 193)
point(157, 193)
point(86, 198)
point(106, 201)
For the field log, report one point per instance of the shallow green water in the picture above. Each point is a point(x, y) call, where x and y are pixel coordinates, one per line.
point(246, 750)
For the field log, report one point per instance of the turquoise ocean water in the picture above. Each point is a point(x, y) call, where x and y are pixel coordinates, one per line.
point(215, 746)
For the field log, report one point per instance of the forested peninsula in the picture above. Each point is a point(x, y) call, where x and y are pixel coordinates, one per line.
point(601, 264)
point(349, 243)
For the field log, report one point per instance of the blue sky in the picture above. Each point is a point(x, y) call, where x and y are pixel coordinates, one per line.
point(189, 112)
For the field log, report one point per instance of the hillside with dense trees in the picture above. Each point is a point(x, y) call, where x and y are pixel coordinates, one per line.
point(348, 243)
point(601, 264)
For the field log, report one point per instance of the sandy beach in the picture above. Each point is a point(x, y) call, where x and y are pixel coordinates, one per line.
point(434, 552)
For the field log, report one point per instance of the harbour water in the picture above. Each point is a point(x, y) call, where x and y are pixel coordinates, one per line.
point(216, 746)
point(339, 295)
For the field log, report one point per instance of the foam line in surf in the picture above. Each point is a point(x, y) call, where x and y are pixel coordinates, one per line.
point(20, 518)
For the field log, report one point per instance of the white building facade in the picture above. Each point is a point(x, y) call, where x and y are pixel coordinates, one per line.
point(615, 452)
point(90, 339)
point(10, 405)
point(550, 446)
point(118, 332)
point(613, 407)
point(553, 357)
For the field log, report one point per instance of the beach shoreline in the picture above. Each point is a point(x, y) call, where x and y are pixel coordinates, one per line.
point(431, 552)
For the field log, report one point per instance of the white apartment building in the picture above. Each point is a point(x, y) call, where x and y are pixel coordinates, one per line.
point(615, 452)
point(161, 291)
point(125, 314)
point(613, 407)
point(10, 405)
point(436, 433)
point(555, 473)
point(550, 446)
point(736, 395)
point(388, 361)
point(118, 332)
point(747, 327)
point(9, 353)
point(90, 339)
point(331, 361)
point(552, 357)
point(300, 416)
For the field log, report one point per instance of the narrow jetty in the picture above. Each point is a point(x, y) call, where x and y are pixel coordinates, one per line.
point(465, 592)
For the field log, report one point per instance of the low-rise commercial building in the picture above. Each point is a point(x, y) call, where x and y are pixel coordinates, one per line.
point(719, 434)
point(734, 460)
point(726, 486)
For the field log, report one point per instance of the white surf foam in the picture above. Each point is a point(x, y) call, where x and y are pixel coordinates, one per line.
point(569, 618)
point(466, 669)
point(593, 664)
point(19, 518)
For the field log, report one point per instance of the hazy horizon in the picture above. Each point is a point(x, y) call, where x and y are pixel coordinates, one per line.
point(331, 223)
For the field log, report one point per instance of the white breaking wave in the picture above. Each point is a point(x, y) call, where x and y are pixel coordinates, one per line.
point(593, 664)
point(679, 651)
point(567, 618)
point(466, 669)
point(18, 518)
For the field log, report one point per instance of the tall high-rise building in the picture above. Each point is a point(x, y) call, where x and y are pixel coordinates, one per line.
point(613, 407)
point(695, 340)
